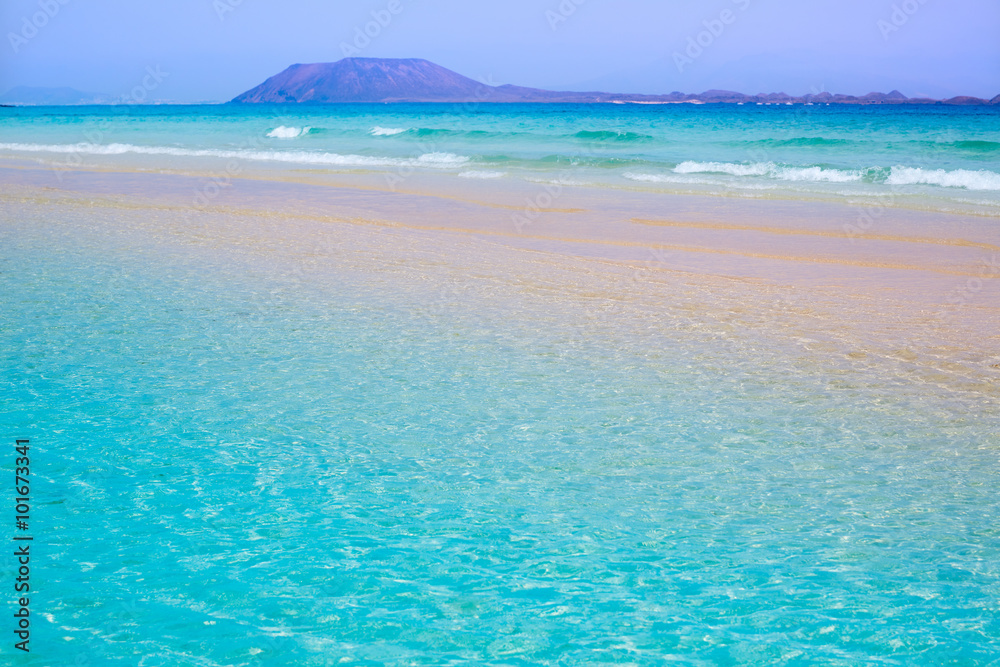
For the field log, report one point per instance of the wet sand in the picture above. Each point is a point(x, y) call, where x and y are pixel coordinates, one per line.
point(913, 288)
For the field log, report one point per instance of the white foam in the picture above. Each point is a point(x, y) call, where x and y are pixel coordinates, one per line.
point(442, 159)
point(432, 160)
point(752, 169)
point(694, 179)
point(959, 178)
point(283, 132)
point(818, 175)
point(653, 178)
point(770, 170)
point(556, 181)
point(482, 174)
point(386, 131)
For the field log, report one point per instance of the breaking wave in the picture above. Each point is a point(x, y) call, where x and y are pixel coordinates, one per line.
point(958, 178)
point(771, 170)
point(386, 131)
point(283, 132)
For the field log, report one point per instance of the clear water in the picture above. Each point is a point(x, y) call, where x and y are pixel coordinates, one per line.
point(937, 157)
point(239, 460)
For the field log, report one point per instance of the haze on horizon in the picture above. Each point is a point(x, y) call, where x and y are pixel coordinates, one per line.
point(212, 50)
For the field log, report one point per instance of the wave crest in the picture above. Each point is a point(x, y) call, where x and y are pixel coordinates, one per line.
point(977, 146)
point(282, 132)
point(959, 178)
point(386, 131)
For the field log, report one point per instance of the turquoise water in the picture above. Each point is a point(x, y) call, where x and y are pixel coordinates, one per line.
point(265, 452)
point(239, 462)
point(937, 157)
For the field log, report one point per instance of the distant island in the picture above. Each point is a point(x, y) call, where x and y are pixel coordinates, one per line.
point(386, 80)
point(37, 96)
point(417, 80)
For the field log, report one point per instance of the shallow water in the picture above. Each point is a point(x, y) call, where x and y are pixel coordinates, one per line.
point(303, 451)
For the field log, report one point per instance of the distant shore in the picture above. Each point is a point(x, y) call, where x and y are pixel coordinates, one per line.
point(419, 80)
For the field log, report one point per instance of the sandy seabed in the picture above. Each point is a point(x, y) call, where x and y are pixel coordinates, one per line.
point(912, 287)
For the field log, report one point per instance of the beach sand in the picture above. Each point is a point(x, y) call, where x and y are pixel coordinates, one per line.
point(915, 290)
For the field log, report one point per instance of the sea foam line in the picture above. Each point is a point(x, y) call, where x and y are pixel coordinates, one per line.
point(771, 170)
point(958, 178)
point(899, 175)
point(432, 160)
point(472, 173)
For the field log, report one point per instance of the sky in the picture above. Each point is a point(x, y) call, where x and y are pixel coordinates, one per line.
point(212, 50)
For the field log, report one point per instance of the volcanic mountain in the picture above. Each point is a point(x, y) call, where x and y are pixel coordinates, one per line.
point(367, 80)
point(417, 80)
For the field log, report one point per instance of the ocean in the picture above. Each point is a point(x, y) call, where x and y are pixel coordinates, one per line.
point(942, 158)
point(680, 415)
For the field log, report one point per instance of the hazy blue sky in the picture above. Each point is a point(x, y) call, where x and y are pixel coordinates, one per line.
point(215, 49)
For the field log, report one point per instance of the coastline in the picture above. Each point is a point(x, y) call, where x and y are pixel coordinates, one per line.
point(773, 153)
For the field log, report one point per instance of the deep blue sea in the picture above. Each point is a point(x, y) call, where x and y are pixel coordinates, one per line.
point(252, 452)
